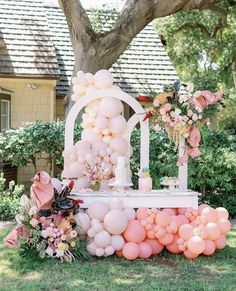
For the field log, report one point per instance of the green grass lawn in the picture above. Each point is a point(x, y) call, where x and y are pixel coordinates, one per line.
point(163, 272)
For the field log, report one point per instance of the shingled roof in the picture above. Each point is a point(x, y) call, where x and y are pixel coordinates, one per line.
point(26, 49)
point(144, 65)
point(37, 43)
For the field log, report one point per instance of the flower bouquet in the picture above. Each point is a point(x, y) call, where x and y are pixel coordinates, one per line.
point(47, 222)
point(182, 116)
point(145, 180)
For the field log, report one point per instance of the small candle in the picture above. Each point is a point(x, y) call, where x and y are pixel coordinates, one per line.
point(145, 184)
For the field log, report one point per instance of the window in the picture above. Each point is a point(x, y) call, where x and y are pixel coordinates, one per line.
point(5, 111)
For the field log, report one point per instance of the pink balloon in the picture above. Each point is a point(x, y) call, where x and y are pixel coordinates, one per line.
point(145, 250)
point(141, 213)
point(115, 221)
point(183, 219)
point(173, 246)
point(134, 232)
point(169, 211)
point(213, 230)
point(201, 207)
point(117, 124)
point(150, 234)
point(166, 239)
point(181, 210)
point(189, 254)
point(130, 251)
point(222, 212)
point(196, 245)
point(220, 242)
point(209, 248)
point(162, 218)
point(224, 225)
point(186, 231)
point(101, 122)
point(157, 248)
point(110, 107)
point(119, 144)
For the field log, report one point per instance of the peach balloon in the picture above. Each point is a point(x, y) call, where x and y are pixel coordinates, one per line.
point(110, 107)
point(145, 250)
point(222, 212)
point(209, 214)
point(220, 242)
point(150, 234)
point(117, 242)
point(182, 219)
point(130, 251)
point(209, 248)
point(134, 232)
point(166, 239)
point(186, 231)
point(98, 210)
point(115, 221)
point(119, 253)
point(117, 124)
point(212, 230)
point(162, 218)
point(102, 239)
point(141, 213)
point(181, 210)
point(196, 245)
point(224, 225)
point(189, 254)
point(173, 246)
point(119, 144)
point(157, 248)
point(169, 211)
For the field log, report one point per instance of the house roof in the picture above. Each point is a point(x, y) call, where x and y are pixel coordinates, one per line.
point(27, 49)
point(37, 43)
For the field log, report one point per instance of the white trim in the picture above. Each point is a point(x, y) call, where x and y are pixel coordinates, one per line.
point(5, 115)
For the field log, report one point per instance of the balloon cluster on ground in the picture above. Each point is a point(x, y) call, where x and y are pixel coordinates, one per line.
point(102, 136)
point(113, 229)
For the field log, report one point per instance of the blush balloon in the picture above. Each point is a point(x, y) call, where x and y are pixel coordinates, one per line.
point(222, 212)
point(209, 248)
point(188, 254)
point(224, 225)
point(166, 239)
point(213, 230)
point(173, 246)
point(101, 122)
point(130, 213)
point(103, 79)
point(220, 242)
point(98, 210)
point(130, 251)
point(110, 107)
point(186, 231)
point(209, 214)
point(157, 248)
point(119, 144)
point(117, 242)
point(162, 218)
point(117, 124)
point(145, 250)
point(102, 239)
point(115, 221)
point(134, 232)
point(89, 135)
point(76, 170)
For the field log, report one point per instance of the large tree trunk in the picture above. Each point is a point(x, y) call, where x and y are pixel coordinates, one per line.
point(95, 51)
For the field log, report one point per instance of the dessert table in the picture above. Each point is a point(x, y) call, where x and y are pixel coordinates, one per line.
point(133, 198)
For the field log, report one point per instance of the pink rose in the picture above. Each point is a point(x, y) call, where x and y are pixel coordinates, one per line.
point(185, 118)
point(167, 107)
point(162, 110)
point(34, 222)
point(156, 103)
point(195, 137)
point(42, 220)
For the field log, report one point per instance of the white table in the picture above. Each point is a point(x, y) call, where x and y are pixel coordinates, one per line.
point(136, 199)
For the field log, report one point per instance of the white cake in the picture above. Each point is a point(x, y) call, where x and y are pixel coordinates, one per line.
point(121, 173)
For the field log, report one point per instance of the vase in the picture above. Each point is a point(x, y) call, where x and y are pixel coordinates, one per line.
point(145, 184)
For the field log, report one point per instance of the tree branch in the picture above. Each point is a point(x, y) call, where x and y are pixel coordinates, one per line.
point(196, 25)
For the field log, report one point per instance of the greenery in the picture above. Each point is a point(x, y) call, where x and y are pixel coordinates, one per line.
point(37, 140)
point(201, 45)
point(9, 198)
point(163, 272)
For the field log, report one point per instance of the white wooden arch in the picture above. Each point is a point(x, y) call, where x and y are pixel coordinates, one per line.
point(132, 122)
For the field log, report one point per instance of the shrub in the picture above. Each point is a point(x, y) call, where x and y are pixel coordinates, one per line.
point(9, 198)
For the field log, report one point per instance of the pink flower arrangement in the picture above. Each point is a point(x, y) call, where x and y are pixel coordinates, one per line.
point(182, 116)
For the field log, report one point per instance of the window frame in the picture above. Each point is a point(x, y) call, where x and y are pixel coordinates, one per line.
point(7, 98)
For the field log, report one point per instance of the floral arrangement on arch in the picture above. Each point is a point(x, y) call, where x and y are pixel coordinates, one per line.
point(48, 223)
point(182, 116)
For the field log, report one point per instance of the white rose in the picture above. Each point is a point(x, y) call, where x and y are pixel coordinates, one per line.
point(49, 251)
point(59, 253)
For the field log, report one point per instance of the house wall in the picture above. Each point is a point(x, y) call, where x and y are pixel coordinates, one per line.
point(60, 109)
point(28, 105)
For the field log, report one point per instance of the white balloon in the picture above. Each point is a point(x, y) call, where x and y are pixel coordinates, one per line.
point(99, 252)
point(119, 144)
point(130, 213)
point(89, 78)
point(94, 221)
point(117, 124)
point(102, 239)
point(89, 135)
point(109, 250)
point(80, 74)
point(83, 220)
point(117, 242)
point(110, 107)
point(98, 227)
point(91, 233)
point(75, 97)
point(103, 79)
point(91, 248)
point(115, 204)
